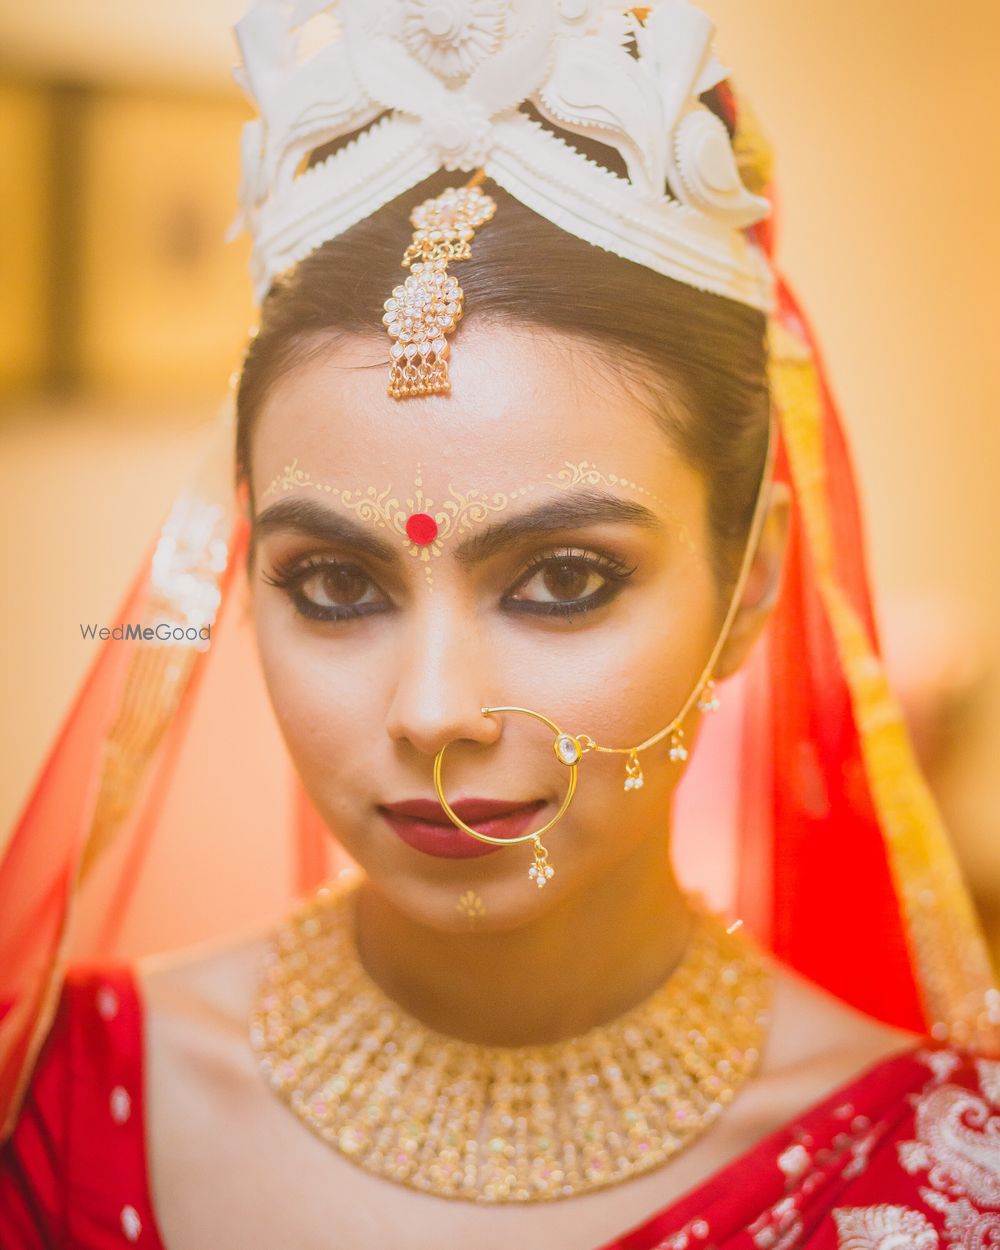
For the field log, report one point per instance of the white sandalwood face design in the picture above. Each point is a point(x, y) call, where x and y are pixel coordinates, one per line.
point(425, 525)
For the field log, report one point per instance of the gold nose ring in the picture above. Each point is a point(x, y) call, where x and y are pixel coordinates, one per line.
point(568, 751)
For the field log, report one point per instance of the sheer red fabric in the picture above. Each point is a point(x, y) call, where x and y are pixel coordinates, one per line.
point(810, 805)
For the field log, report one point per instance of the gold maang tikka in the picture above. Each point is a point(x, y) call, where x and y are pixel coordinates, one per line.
point(428, 304)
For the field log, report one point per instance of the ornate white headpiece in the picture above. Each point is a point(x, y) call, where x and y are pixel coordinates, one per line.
point(432, 84)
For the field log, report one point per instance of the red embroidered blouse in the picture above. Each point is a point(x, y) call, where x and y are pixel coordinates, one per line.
point(906, 1156)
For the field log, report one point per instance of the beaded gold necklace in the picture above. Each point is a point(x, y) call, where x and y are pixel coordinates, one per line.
point(495, 1124)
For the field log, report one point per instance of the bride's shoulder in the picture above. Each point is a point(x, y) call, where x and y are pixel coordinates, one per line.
point(213, 981)
point(817, 1041)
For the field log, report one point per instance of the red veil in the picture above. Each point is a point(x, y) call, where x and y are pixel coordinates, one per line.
point(168, 812)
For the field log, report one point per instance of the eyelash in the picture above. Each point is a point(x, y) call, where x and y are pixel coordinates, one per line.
point(614, 569)
point(290, 575)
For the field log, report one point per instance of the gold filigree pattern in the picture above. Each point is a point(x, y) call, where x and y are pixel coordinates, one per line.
point(428, 304)
point(290, 477)
point(370, 505)
point(461, 510)
point(588, 474)
point(523, 1123)
point(471, 905)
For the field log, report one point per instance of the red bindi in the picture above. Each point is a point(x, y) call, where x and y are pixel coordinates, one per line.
point(421, 528)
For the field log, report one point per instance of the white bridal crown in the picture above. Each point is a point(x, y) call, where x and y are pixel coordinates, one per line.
point(469, 84)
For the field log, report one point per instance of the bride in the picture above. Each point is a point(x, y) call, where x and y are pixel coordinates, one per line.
point(514, 519)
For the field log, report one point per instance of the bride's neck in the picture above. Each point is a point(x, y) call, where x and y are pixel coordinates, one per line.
point(599, 953)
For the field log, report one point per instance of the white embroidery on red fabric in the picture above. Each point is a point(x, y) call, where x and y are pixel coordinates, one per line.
point(957, 1143)
point(883, 1227)
point(778, 1228)
point(988, 1071)
point(107, 1002)
point(965, 1228)
point(861, 1152)
point(803, 1169)
point(794, 1161)
point(941, 1062)
point(696, 1229)
point(131, 1224)
point(121, 1104)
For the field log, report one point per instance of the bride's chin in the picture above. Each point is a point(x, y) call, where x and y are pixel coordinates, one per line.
point(474, 903)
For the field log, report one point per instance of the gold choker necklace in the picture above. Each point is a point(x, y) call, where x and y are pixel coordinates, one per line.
point(494, 1123)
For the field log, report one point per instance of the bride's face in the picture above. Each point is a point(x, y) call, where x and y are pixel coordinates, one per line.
point(569, 574)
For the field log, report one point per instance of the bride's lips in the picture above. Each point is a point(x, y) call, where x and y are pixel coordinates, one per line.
point(422, 824)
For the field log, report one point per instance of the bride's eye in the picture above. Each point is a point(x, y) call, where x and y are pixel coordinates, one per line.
point(566, 582)
point(326, 589)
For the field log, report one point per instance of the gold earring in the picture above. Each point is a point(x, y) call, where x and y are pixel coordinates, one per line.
point(709, 702)
point(568, 751)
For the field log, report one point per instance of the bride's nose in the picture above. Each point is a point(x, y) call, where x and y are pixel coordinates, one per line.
point(444, 676)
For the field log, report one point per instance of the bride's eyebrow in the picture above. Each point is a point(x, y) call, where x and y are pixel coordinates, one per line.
point(315, 520)
point(587, 507)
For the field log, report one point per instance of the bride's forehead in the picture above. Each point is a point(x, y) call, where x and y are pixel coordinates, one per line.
point(518, 403)
point(424, 467)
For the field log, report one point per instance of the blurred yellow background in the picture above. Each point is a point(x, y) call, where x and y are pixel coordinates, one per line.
point(124, 314)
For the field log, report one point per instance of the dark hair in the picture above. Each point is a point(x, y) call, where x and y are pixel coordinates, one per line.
point(702, 358)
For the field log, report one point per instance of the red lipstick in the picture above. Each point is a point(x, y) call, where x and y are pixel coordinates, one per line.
point(422, 824)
